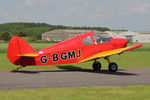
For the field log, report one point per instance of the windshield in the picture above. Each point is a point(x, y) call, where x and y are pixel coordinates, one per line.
point(100, 39)
point(87, 41)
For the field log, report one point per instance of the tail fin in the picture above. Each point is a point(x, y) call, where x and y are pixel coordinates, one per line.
point(18, 48)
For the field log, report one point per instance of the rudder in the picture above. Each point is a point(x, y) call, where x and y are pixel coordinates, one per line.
point(17, 46)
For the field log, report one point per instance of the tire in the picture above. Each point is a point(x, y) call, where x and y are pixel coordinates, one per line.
point(113, 67)
point(96, 66)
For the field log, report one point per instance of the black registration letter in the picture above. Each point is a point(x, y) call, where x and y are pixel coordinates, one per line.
point(43, 59)
point(79, 53)
point(55, 57)
point(71, 55)
point(63, 56)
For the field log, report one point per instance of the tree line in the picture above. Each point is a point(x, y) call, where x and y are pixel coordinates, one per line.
point(8, 30)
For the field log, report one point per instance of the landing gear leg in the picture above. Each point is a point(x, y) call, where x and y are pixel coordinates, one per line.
point(113, 67)
point(96, 65)
point(20, 67)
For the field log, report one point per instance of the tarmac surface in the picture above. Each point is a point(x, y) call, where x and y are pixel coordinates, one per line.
point(76, 77)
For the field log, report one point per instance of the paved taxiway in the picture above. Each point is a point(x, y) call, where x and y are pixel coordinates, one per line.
point(51, 78)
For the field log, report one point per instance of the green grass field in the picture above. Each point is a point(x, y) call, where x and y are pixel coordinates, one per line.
point(134, 58)
point(79, 93)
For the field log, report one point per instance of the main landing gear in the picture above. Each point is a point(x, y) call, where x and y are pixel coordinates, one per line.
point(20, 67)
point(113, 67)
point(96, 66)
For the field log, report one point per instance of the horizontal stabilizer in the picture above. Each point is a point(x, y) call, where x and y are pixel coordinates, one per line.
point(29, 55)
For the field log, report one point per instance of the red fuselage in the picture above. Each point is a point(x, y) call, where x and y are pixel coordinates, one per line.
point(73, 50)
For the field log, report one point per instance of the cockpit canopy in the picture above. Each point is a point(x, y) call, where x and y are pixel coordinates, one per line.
point(97, 38)
point(100, 39)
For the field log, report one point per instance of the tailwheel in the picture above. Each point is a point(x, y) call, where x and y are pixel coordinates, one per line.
point(20, 67)
point(113, 67)
point(96, 66)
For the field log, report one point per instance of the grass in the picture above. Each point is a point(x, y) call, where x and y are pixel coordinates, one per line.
point(79, 93)
point(134, 58)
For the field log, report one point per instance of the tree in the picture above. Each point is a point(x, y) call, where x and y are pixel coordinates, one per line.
point(5, 36)
point(21, 33)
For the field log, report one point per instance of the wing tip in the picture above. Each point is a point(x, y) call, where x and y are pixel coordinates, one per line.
point(133, 47)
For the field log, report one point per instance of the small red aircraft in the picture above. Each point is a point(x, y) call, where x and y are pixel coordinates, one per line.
point(82, 48)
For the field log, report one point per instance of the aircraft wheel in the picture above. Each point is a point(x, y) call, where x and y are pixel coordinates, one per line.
point(96, 66)
point(113, 67)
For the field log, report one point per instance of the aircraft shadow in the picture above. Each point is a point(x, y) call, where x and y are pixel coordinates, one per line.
point(103, 71)
point(70, 68)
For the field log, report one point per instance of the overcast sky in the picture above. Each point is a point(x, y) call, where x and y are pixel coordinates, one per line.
point(115, 14)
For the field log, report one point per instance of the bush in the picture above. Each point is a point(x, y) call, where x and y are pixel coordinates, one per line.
point(30, 39)
point(5, 36)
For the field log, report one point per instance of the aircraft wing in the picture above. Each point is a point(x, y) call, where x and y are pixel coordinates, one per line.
point(110, 52)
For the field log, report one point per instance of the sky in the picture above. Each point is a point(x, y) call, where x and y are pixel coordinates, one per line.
point(114, 14)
